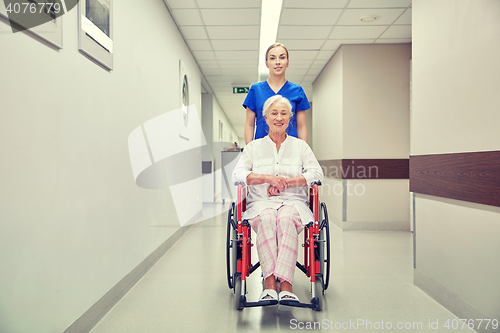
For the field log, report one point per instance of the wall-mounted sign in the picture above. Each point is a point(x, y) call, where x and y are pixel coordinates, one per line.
point(240, 90)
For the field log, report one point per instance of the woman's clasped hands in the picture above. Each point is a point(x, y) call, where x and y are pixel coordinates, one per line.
point(276, 185)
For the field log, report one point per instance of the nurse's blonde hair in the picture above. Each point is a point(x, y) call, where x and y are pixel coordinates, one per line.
point(276, 45)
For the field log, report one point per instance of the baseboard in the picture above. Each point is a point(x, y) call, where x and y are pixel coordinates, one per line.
point(449, 300)
point(372, 226)
point(92, 316)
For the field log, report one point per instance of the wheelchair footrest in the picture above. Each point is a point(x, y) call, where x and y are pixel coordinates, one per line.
point(260, 303)
point(298, 304)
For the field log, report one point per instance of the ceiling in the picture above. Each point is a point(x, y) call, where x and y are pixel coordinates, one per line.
point(223, 36)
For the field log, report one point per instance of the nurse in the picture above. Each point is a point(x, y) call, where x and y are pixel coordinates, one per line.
point(277, 61)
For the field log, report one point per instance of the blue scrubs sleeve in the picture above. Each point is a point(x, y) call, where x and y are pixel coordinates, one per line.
point(303, 104)
point(250, 100)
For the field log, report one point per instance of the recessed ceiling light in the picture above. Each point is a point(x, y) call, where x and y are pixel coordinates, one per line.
point(369, 18)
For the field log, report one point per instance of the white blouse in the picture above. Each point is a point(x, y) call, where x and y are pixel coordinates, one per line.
point(294, 158)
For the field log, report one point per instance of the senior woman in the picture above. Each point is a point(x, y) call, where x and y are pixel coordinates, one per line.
point(278, 169)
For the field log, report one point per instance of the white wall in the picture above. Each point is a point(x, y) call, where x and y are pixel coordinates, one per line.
point(73, 222)
point(361, 111)
point(227, 131)
point(207, 121)
point(376, 124)
point(376, 101)
point(457, 247)
point(328, 110)
point(456, 94)
point(455, 76)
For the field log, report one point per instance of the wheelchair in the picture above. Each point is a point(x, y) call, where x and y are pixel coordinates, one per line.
point(316, 245)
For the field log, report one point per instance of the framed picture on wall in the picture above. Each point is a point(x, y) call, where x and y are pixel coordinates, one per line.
point(95, 31)
point(184, 84)
point(41, 20)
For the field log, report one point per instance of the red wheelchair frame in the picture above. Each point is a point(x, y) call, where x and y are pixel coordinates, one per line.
point(316, 246)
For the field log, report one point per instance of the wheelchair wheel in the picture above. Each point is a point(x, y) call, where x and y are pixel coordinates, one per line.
point(231, 247)
point(325, 249)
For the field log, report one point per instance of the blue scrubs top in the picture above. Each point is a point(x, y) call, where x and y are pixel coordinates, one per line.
point(261, 91)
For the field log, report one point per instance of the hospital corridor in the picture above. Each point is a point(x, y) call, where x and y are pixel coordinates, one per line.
point(371, 289)
point(249, 166)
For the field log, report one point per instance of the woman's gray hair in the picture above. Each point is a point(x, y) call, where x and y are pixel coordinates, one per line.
point(273, 99)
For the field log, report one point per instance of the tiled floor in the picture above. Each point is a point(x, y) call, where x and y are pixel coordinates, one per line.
point(371, 288)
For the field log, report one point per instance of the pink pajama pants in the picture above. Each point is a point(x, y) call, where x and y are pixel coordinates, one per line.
point(277, 233)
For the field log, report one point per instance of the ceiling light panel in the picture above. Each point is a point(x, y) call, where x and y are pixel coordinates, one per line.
point(379, 3)
point(237, 55)
point(217, 84)
point(228, 3)
point(319, 63)
point(211, 71)
point(302, 44)
point(304, 55)
point(229, 64)
point(303, 32)
point(204, 55)
point(199, 45)
point(190, 32)
point(181, 4)
point(325, 55)
point(300, 61)
point(309, 16)
point(330, 45)
point(405, 18)
point(354, 41)
point(309, 79)
point(234, 32)
point(314, 71)
point(208, 63)
point(293, 71)
point(384, 16)
point(238, 71)
point(295, 78)
point(304, 64)
point(314, 4)
point(239, 79)
point(219, 90)
point(351, 32)
point(187, 16)
point(231, 16)
point(398, 31)
point(214, 78)
point(236, 45)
